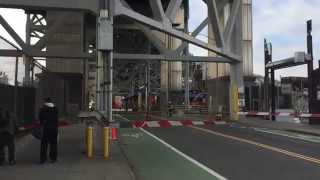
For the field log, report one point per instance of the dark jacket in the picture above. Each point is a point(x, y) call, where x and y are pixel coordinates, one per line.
point(48, 116)
point(7, 123)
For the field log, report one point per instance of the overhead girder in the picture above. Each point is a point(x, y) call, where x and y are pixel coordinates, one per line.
point(161, 57)
point(76, 5)
point(121, 9)
point(214, 18)
point(172, 9)
point(166, 28)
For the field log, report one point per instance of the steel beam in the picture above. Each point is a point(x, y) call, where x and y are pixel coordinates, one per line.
point(10, 43)
point(172, 9)
point(215, 22)
point(61, 54)
point(160, 45)
point(285, 63)
point(121, 10)
point(52, 29)
point(13, 34)
point(198, 30)
point(10, 53)
point(157, 10)
point(231, 21)
point(149, 34)
point(83, 5)
point(195, 33)
point(36, 53)
point(151, 57)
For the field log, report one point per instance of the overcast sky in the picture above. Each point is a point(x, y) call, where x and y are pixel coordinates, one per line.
point(281, 21)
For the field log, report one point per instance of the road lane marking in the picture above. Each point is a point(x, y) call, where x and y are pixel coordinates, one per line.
point(278, 150)
point(290, 135)
point(200, 165)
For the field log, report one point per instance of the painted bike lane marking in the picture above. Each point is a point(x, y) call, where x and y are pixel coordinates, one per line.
point(200, 165)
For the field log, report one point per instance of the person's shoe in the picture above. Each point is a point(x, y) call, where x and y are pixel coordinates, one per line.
point(12, 163)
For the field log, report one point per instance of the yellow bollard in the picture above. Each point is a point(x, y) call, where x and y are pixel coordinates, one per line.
point(89, 142)
point(235, 103)
point(106, 134)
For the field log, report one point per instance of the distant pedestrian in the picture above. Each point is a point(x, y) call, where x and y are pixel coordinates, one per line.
point(7, 133)
point(48, 116)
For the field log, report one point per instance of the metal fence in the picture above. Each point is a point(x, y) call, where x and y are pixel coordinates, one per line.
point(24, 105)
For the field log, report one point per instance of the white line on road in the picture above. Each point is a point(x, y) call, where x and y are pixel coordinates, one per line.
point(208, 170)
point(294, 136)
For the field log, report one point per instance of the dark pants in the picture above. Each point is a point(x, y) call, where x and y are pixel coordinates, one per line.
point(7, 140)
point(49, 138)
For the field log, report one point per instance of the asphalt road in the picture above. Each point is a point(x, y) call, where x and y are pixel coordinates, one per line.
point(239, 153)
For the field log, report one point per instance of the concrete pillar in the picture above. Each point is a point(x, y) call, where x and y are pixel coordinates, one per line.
point(236, 90)
point(215, 70)
point(176, 67)
point(171, 73)
point(68, 37)
point(247, 47)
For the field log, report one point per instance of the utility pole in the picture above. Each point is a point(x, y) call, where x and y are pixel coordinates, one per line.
point(273, 87)
point(310, 64)
point(269, 88)
point(16, 88)
point(147, 86)
point(186, 52)
point(26, 59)
point(266, 76)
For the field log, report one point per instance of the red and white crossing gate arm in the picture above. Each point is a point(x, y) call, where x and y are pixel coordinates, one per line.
point(168, 124)
point(280, 114)
point(163, 124)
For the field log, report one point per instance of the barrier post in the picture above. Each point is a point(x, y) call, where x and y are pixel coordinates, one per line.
point(89, 141)
point(114, 134)
point(235, 103)
point(106, 147)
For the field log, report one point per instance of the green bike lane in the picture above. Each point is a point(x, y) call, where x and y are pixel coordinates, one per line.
point(152, 159)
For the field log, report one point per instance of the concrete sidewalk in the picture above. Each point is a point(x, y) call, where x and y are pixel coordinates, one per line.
point(72, 163)
point(286, 126)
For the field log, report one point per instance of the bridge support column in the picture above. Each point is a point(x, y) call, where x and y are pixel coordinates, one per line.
point(236, 90)
point(105, 59)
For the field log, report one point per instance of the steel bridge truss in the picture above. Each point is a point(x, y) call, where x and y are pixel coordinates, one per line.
point(162, 21)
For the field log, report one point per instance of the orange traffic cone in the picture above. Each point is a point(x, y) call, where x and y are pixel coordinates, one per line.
point(114, 134)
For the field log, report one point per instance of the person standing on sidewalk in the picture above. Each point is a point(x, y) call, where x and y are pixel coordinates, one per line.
point(48, 116)
point(7, 133)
